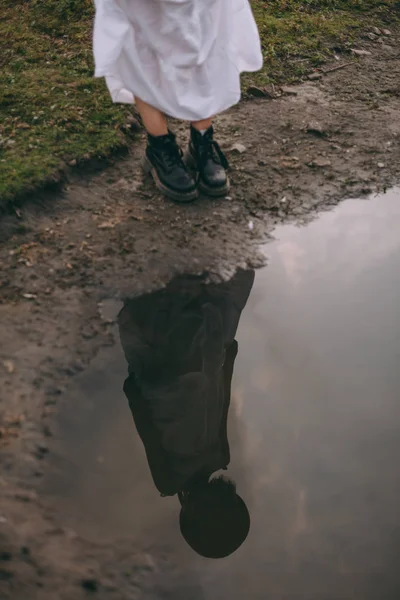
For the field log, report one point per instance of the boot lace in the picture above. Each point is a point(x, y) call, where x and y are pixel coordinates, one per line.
point(210, 150)
point(171, 155)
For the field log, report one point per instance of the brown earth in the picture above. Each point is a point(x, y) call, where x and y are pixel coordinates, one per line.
point(109, 235)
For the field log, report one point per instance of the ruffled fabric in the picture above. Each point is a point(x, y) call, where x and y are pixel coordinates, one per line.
point(183, 57)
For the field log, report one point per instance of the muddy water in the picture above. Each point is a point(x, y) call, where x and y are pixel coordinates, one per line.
point(314, 429)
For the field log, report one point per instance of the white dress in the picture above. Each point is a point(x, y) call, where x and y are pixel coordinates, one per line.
point(183, 57)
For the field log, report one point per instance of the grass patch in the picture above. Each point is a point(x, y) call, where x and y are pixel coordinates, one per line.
point(297, 35)
point(52, 111)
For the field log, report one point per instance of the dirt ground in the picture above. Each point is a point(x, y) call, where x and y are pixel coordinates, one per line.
point(109, 235)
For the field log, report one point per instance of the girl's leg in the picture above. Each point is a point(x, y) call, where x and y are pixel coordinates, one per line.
point(202, 125)
point(153, 119)
point(163, 160)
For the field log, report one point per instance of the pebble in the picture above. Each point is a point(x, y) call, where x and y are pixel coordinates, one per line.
point(106, 225)
point(361, 52)
point(91, 585)
point(256, 92)
point(9, 366)
point(238, 148)
point(26, 496)
point(314, 76)
point(320, 163)
point(5, 556)
point(386, 32)
point(376, 30)
point(381, 165)
point(289, 91)
point(316, 128)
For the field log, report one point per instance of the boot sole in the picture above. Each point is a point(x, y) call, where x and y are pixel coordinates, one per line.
point(213, 192)
point(181, 197)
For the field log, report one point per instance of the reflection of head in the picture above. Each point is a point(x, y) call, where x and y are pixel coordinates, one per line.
point(214, 520)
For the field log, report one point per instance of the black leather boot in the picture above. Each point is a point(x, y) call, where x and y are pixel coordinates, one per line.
point(164, 162)
point(207, 159)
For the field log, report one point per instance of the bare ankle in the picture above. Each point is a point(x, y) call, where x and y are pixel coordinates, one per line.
point(202, 125)
point(154, 121)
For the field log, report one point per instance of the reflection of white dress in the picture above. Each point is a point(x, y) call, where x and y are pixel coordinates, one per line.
point(182, 56)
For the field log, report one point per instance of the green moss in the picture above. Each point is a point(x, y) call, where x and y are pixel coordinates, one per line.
point(299, 34)
point(52, 110)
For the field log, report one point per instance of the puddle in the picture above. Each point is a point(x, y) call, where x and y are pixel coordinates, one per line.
point(314, 419)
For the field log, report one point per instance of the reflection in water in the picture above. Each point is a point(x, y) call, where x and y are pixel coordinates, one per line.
point(180, 347)
point(313, 426)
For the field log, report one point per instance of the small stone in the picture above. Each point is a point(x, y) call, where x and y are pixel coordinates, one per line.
point(371, 36)
point(9, 366)
point(6, 574)
point(256, 92)
point(106, 225)
point(320, 163)
point(361, 52)
point(29, 296)
point(133, 123)
point(290, 162)
point(72, 163)
point(297, 210)
point(26, 496)
point(269, 91)
point(386, 32)
point(125, 185)
point(314, 76)
point(381, 165)
point(91, 585)
point(376, 30)
point(289, 91)
point(42, 449)
point(5, 556)
point(316, 129)
point(238, 148)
